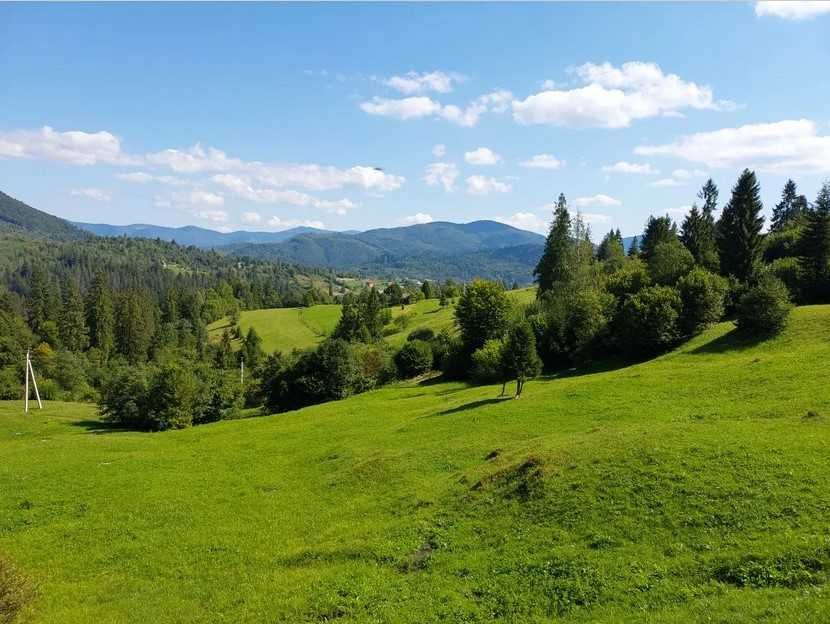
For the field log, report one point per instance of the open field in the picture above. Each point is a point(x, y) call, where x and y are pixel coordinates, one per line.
point(289, 328)
point(691, 488)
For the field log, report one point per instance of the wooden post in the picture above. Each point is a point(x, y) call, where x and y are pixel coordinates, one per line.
point(34, 383)
point(30, 371)
point(26, 400)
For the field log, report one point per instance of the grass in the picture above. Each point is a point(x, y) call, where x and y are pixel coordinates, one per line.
point(690, 488)
point(301, 328)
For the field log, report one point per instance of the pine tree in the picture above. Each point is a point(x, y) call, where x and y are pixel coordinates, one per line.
point(100, 315)
point(252, 349)
point(553, 265)
point(634, 249)
point(135, 324)
point(697, 233)
point(709, 194)
point(739, 228)
point(520, 358)
point(43, 301)
point(815, 248)
point(658, 230)
point(72, 322)
point(789, 211)
point(611, 250)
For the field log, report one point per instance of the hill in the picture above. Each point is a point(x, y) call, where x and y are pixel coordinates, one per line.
point(15, 216)
point(690, 488)
point(285, 329)
point(191, 234)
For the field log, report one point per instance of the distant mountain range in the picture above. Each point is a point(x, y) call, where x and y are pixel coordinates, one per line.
point(437, 250)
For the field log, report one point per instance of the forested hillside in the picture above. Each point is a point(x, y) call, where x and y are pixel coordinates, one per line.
point(15, 216)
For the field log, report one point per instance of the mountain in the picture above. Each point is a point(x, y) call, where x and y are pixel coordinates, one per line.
point(191, 234)
point(16, 216)
point(437, 250)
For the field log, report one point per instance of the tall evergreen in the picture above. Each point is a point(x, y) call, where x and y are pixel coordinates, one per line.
point(100, 315)
point(553, 265)
point(739, 228)
point(698, 234)
point(658, 230)
point(634, 249)
point(135, 324)
point(43, 301)
point(72, 322)
point(815, 248)
point(709, 194)
point(789, 211)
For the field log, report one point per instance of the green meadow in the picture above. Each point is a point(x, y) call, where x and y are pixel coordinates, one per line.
point(691, 488)
point(286, 329)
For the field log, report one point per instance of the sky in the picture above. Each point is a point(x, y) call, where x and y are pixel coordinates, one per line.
point(356, 116)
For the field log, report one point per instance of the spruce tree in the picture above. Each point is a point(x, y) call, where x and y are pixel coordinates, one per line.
point(611, 250)
point(697, 233)
point(634, 249)
point(72, 323)
point(739, 228)
point(658, 230)
point(788, 212)
point(814, 247)
point(100, 315)
point(553, 265)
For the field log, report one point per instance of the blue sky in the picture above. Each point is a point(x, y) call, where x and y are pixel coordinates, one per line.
point(348, 116)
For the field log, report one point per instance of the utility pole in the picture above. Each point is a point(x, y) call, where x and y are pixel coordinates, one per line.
point(31, 371)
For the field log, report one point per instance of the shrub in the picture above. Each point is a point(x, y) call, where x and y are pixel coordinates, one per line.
point(789, 271)
point(669, 262)
point(414, 358)
point(375, 365)
point(764, 308)
point(487, 362)
point(422, 333)
point(648, 321)
point(630, 279)
point(702, 294)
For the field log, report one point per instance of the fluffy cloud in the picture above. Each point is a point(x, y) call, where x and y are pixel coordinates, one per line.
point(665, 182)
point(592, 218)
point(439, 150)
point(627, 167)
point(420, 217)
point(413, 82)
point(251, 218)
point(140, 177)
point(481, 185)
point(783, 146)
point(422, 106)
point(526, 221)
point(482, 156)
point(245, 190)
point(92, 193)
point(73, 147)
point(613, 97)
point(284, 224)
point(441, 173)
point(189, 198)
point(680, 211)
point(793, 9)
point(542, 161)
point(195, 159)
point(216, 216)
point(596, 200)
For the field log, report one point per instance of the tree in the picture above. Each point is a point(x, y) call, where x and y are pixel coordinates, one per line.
point(520, 358)
point(789, 211)
point(699, 235)
point(764, 308)
point(362, 318)
point(135, 324)
point(414, 358)
point(814, 248)
point(611, 250)
point(634, 249)
point(658, 230)
point(669, 262)
point(739, 228)
point(394, 294)
point(429, 290)
point(252, 352)
point(482, 313)
point(709, 194)
point(72, 323)
point(100, 315)
point(43, 302)
point(702, 294)
point(648, 321)
point(553, 265)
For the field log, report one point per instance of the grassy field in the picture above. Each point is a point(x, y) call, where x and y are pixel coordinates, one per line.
point(691, 488)
point(289, 328)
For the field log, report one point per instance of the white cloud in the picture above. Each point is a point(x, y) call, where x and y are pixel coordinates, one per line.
point(680, 211)
point(526, 221)
point(243, 188)
point(285, 224)
point(190, 198)
point(417, 218)
point(251, 218)
point(439, 151)
point(216, 216)
point(92, 193)
point(422, 106)
point(482, 156)
point(542, 161)
point(793, 9)
point(613, 97)
point(596, 200)
point(783, 146)
point(413, 82)
point(592, 218)
point(224, 229)
point(628, 167)
point(195, 159)
point(481, 185)
point(686, 174)
point(441, 173)
point(665, 183)
point(73, 147)
point(140, 177)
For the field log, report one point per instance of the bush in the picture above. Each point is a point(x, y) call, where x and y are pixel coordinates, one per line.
point(414, 358)
point(630, 279)
point(764, 308)
point(15, 592)
point(702, 294)
point(482, 313)
point(487, 362)
point(375, 365)
point(789, 271)
point(422, 333)
point(648, 321)
point(669, 262)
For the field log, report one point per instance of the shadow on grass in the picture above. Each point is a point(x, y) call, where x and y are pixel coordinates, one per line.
point(733, 340)
point(601, 366)
point(470, 406)
point(100, 426)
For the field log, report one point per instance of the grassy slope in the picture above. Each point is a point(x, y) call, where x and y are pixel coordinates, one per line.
point(631, 495)
point(289, 328)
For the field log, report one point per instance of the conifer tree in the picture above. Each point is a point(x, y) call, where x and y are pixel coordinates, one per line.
point(611, 250)
point(72, 323)
point(697, 233)
point(658, 230)
point(739, 228)
point(100, 315)
point(634, 249)
point(789, 211)
point(553, 265)
point(815, 248)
